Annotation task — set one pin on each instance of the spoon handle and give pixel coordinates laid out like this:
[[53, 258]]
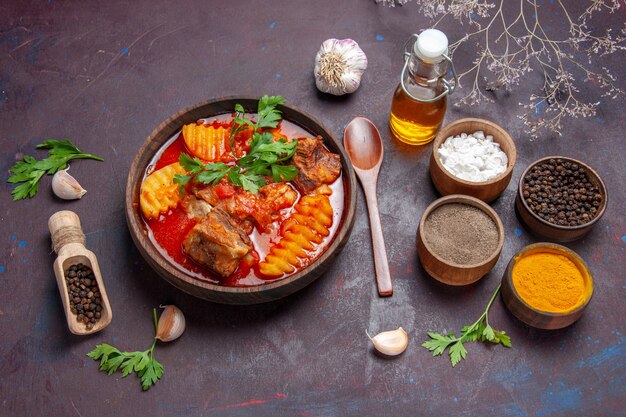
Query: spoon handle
[[383, 278]]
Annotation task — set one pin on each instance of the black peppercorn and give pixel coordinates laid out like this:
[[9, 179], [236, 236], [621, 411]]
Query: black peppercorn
[[84, 296], [561, 192]]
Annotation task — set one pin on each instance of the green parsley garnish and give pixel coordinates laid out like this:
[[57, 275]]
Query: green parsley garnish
[[29, 171], [148, 369], [480, 330], [266, 156]]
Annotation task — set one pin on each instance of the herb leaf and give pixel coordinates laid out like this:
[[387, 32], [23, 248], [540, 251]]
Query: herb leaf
[[252, 183], [102, 352], [150, 374], [191, 165], [29, 171], [438, 343], [147, 368], [284, 172], [212, 174], [480, 330], [135, 361], [265, 157], [268, 115]]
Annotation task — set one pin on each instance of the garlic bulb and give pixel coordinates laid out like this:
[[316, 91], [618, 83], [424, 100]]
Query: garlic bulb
[[66, 187], [339, 65], [171, 324], [392, 342]]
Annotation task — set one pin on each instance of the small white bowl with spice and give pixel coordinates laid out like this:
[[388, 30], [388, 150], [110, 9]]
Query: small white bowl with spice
[[474, 157], [459, 239]]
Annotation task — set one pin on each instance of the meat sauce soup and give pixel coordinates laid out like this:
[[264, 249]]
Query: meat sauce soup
[[168, 230]]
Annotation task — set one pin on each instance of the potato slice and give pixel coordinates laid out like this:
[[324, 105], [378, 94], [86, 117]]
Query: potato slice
[[159, 193], [207, 142]]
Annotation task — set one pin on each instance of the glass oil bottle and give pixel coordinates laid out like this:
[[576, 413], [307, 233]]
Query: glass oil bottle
[[419, 103]]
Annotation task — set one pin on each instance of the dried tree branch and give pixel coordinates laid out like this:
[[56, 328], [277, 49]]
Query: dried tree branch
[[510, 47]]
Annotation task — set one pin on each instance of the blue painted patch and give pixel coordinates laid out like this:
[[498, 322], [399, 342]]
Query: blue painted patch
[[3, 94], [560, 402], [552, 1], [13, 237], [277, 76], [615, 354], [411, 380], [380, 38], [263, 48], [231, 357], [24, 261], [22, 243], [125, 50], [455, 399], [539, 108], [33, 52], [518, 232], [472, 15], [272, 25], [624, 239], [520, 374], [2, 269]]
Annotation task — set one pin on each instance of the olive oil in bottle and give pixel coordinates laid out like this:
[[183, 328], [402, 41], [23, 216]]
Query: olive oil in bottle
[[419, 103]]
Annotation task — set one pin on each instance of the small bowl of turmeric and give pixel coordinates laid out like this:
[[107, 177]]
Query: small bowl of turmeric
[[547, 286]]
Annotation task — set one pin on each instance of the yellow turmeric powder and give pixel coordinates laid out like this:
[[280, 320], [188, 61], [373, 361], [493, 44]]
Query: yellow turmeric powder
[[549, 282]]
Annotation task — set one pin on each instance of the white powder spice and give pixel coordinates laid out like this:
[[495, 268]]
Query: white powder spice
[[473, 157]]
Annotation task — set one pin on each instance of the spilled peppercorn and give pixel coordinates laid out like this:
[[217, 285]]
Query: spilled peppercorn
[[85, 299], [560, 192]]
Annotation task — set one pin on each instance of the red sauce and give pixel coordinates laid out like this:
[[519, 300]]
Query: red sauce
[[171, 153], [169, 230]]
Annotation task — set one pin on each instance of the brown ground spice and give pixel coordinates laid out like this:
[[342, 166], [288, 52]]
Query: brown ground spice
[[461, 234]]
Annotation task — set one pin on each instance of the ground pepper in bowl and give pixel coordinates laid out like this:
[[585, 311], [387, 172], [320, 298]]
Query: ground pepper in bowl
[[562, 193], [461, 234]]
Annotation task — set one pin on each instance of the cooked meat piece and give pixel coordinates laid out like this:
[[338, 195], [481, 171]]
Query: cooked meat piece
[[217, 243], [277, 196], [316, 165], [244, 207], [195, 208], [237, 206]]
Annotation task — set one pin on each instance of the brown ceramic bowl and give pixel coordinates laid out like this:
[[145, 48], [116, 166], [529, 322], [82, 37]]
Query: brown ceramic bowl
[[449, 272], [532, 316], [214, 292], [547, 230], [487, 191]]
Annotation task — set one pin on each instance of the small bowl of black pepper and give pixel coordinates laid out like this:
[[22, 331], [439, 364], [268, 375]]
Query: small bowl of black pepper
[[560, 198]]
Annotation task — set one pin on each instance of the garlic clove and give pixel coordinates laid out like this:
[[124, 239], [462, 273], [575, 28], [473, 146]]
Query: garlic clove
[[171, 324], [392, 342], [339, 65], [66, 187]]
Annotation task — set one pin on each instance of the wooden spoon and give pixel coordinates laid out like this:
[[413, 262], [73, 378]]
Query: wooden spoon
[[68, 241], [365, 149]]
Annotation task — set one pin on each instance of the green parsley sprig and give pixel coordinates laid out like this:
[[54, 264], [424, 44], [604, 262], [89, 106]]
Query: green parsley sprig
[[144, 364], [480, 330], [29, 171], [266, 156]]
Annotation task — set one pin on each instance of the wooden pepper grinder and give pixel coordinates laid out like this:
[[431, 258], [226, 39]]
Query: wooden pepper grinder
[[68, 241]]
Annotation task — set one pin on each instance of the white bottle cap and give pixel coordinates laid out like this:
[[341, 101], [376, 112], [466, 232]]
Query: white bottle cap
[[431, 45]]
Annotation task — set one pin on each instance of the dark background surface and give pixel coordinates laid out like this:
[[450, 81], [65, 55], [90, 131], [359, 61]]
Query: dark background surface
[[107, 75]]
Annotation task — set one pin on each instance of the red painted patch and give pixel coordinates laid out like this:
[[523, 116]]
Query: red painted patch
[[254, 401]]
